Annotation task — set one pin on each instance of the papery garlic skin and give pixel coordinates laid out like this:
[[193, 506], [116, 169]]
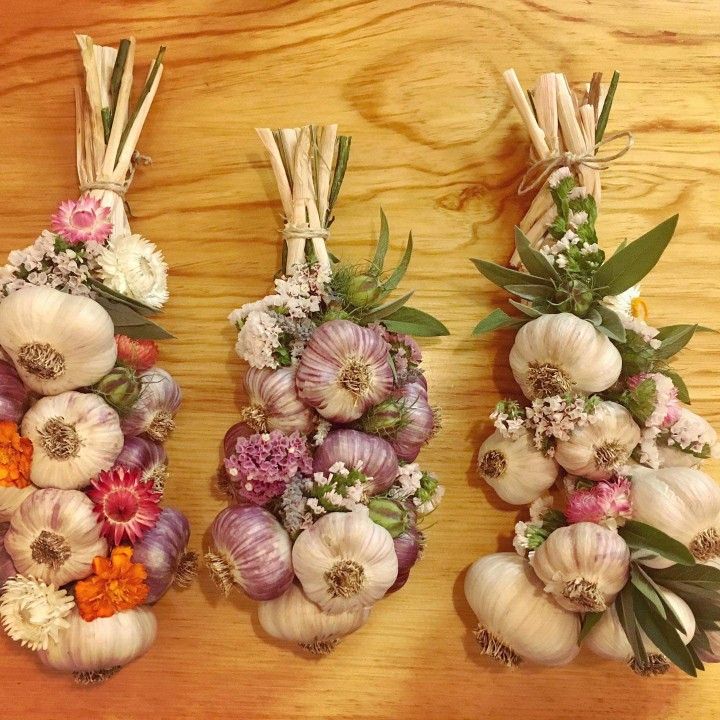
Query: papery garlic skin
[[345, 561], [274, 403], [344, 370], [74, 436], [56, 341], [154, 412], [294, 618], [599, 450], [408, 548], [681, 502], [607, 638], [517, 471], [421, 423], [11, 498], [7, 568], [560, 354], [584, 566], [673, 456], [14, 395], [54, 536], [252, 550], [149, 457], [517, 620], [94, 650]]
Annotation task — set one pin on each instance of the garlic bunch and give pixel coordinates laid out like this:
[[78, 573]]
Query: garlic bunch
[[292, 617], [516, 620], [13, 393], [560, 354], [345, 561], [274, 402], [75, 436], [154, 412], [252, 550], [56, 341], [608, 639], [517, 471], [598, 450], [344, 370], [683, 503], [94, 651], [54, 536], [11, 498], [584, 566], [370, 454]]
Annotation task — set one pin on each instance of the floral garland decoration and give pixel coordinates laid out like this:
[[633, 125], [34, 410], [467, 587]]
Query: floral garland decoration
[[85, 547], [321, 469], [628, 563]]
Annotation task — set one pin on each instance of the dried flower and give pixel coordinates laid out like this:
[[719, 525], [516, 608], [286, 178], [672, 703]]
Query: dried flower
[[117, 584], [605, 503], [556, 417], [663, 405], [140, 355], [509, 419], [32, 612], [125, 504], [15, 456], [82, 221]]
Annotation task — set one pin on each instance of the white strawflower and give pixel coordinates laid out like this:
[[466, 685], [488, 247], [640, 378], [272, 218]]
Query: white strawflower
[[133, 266], [622, 303], [32, 612]]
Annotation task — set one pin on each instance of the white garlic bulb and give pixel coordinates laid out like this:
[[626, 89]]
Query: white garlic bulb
[[54, 536], [345, 561], [682, 502], [93, 651], [608, 639], [75, 436], [56, 341], [517, 471], [696, 427], [584, 566], [11, 498], [559, 354], [599, 449], [517, 620], [294, 618]]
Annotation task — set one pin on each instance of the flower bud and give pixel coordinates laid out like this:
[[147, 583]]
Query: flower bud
[[389, 514], [362, 290], [120, 389]]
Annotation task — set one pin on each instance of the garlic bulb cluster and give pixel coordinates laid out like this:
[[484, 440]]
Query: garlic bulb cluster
[[154, 412]]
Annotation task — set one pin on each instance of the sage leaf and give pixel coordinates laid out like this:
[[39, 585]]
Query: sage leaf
[[535, 262], [531, 292], [679, 383], [399, 272], [128, 321], [410, 321], [383, 244], [640, 536], [498, 320], [531, 312], [385, 310], [611, 324], [503, 276], [108, 292]]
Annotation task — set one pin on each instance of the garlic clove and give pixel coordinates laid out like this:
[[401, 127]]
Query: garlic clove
[[56, 341]]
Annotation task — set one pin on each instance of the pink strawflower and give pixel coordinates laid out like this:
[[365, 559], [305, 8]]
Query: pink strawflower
[[263, 464], [606, 503], [81, 221], [126, 506], [667, 406]]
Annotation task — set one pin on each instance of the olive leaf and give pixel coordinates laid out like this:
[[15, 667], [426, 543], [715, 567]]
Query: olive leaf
[[498, 320], [503, 276], [343, 153], [675, 337], [640, 536], [111, 294], [411, 321], [705, 576], [588, 623], [399, 272], [531, 292], [607, 105], [535, 262], [646, 586], [526, 309], [388, 309], [625, 608]]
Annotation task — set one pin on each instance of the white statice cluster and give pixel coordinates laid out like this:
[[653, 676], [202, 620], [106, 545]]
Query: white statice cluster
[[283, 320], [407, 483], [556, 417], [52, 264], [529, 535], [556, 253], [421, 489], [508, 419]]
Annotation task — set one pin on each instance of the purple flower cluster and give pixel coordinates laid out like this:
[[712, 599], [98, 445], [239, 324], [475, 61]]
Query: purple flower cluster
[[263, 464]]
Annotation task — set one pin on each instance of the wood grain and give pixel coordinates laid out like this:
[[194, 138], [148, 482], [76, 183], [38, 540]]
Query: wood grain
[[437, 144]]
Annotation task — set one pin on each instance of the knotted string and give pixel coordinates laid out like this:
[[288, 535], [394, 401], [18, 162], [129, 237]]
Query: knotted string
[[540, 171], [119, 188], [303, 232]]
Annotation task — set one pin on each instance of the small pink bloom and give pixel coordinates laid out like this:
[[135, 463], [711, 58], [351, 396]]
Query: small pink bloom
[[604, 503], [81, 221], [140, 355]]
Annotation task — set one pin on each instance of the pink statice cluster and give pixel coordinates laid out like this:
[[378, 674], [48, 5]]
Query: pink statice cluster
[[263, 464], [666, 411], [605, 503]]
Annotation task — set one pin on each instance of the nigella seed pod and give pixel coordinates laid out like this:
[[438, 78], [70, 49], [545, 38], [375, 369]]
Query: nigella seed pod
[[408, 548], [274, 402], [141, 453], [164, 554], [420, 425], [362, 290], [120, 389], [7, 568], [252, 550], [344, 370], [154, 412], [390, 514], [372, 455], [13, 393]]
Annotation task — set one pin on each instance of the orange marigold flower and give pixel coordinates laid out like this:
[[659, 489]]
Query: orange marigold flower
[[15, 456], [117, 585]]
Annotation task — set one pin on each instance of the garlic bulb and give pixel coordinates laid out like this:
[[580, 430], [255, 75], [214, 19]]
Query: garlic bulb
[[292, 617], [251, 550], [517, 471], [344, 370], [11, 498], [345, 561], [75, 436], [13, 393], [149, 457], [372, 455], [163, 553], [584, 566], [696, 427], [559, 354], [516, 620], [408, 548], [608, 638], [154, 412], [419, 425], [54, 536], [683, 503], [94, 651], [598, 450], [7, 569], [56, 341], [274, 402]]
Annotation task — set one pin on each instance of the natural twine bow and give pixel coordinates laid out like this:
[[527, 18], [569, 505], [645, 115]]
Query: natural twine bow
[[540, 171]]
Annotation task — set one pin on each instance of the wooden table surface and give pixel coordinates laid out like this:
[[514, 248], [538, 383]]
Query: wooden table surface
[[437, 144]]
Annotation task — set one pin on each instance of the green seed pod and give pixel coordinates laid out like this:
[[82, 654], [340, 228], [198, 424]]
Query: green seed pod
[[389, 514], [120, 389]]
